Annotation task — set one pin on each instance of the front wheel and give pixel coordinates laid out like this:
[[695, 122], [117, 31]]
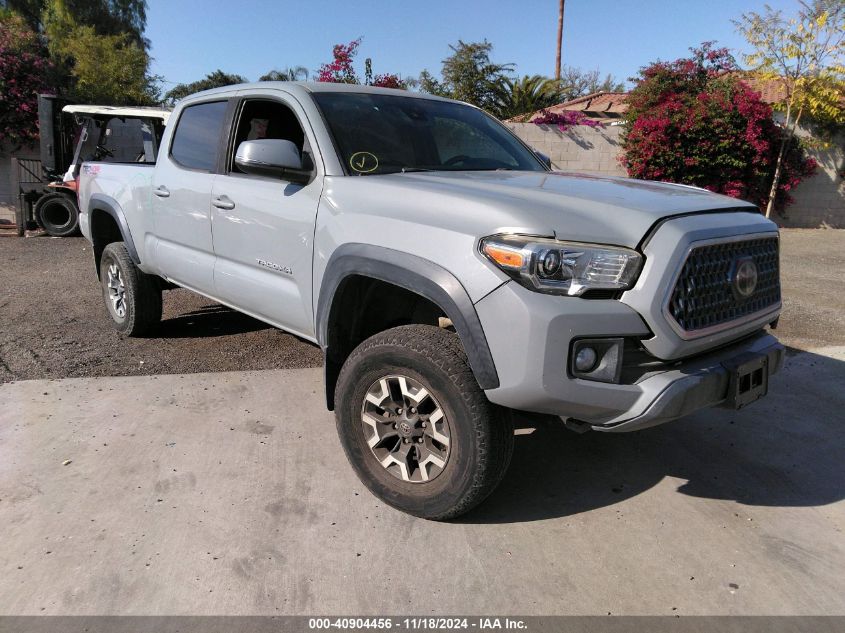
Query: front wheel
[[133, 298], [417, 428]]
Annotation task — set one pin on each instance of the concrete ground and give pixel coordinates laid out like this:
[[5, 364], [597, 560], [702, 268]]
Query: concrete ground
[[229, 494]]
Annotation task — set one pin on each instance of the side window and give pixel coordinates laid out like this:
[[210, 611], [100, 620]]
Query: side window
[[267, 119], [197, 134]]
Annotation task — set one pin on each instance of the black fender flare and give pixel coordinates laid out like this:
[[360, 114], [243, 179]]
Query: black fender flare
[[417, 275], [107, 204]]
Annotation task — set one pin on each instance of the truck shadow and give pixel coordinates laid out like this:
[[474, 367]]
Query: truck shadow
[[208, 321], [785, 450]]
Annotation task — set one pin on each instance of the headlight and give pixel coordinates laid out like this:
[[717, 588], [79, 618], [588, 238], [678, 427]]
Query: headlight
[[567, 268]]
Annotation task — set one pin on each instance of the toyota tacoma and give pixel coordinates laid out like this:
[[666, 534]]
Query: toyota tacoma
[[448, 275]]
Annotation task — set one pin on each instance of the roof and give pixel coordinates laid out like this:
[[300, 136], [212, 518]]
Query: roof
[[119, 111], [316, 86], [597, 105], [603, 105], [772, 90]]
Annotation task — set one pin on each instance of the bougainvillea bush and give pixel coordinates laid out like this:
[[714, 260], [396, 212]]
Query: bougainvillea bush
[[340, 69], [565, 120], [24, 72], [695, 122]]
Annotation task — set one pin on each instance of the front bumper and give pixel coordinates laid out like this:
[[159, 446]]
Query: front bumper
[[697, 384], [532, 357]]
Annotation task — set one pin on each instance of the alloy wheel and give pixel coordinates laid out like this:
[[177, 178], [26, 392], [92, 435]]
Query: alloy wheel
[[406, 428], [117, 291]]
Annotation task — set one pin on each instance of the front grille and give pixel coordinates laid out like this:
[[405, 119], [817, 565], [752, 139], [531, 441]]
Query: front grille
[[704, 296]]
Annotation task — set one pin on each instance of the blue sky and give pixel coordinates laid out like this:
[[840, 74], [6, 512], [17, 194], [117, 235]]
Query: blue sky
[[191, 39]]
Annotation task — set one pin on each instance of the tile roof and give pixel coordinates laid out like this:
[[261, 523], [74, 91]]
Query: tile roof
[[771, 90], [599, 105]]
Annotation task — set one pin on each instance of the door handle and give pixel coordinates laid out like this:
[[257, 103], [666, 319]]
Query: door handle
[[223, 202], [161, 191]]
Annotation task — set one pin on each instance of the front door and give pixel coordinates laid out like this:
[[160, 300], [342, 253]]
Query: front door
[[264, 227], [184, 176]]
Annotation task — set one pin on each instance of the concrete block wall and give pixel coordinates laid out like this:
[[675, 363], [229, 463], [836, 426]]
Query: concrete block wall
[[593, 150], [820, 200]]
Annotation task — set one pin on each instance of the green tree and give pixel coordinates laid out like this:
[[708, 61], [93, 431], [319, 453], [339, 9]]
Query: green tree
[[806, 55], [468, 74], [217, 79], [107, 17], [295, 73], [430, 84], [515, 97], [107, 69]]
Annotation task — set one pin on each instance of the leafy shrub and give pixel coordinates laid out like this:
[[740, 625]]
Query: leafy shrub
[[24, 69], [340, 69], [695, 122], [566, 119]]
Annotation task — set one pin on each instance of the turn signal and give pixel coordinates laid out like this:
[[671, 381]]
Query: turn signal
[[505, 257]]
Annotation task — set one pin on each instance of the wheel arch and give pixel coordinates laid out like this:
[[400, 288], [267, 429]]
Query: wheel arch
[[416, 275], [107, 222]]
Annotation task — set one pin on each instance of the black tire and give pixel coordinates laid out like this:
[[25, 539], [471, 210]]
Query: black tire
[[481, 433], [57, 214], [141, 293]]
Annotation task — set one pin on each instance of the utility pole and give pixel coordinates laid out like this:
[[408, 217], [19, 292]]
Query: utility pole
[[559, 38]]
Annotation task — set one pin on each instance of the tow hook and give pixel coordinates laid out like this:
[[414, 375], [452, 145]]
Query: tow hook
[[577, 426]]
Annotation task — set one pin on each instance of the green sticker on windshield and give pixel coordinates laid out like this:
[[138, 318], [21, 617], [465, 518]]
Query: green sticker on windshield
[[363, 162]]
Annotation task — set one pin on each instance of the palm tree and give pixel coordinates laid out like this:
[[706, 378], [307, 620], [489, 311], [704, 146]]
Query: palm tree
[[514, 97], [297, 73], [559, 37]]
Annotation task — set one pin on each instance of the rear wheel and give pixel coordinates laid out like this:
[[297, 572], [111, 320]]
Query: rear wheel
[[133, 298], [57, 214], [417, 428]]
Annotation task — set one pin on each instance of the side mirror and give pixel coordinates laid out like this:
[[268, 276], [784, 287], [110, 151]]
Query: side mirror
[[272, 157], [544, 159]]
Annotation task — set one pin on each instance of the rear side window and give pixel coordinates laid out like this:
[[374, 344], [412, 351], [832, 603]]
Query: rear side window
[[198, 134]]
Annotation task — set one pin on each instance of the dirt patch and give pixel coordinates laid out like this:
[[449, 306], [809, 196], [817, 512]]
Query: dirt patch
[[53, 323], [812, 264]]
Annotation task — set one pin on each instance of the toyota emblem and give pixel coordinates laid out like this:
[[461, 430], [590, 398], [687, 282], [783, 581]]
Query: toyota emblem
[[744, 277]]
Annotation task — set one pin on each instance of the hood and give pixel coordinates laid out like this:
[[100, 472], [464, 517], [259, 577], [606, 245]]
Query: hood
[[569, 206]]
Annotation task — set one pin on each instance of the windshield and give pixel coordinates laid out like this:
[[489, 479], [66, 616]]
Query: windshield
[[385, 134]]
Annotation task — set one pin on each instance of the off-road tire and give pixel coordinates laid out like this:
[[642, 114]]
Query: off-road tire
[[57, 214], [141, 292], [481, 432]]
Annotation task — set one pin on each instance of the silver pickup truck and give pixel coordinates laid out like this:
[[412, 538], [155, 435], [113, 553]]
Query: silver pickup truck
[[449, 276]]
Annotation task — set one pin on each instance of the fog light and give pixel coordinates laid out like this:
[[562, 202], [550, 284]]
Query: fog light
[[598, 359], [585, 359]]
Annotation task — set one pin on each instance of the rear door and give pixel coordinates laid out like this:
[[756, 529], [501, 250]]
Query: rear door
[[182, 184], [264, 227]]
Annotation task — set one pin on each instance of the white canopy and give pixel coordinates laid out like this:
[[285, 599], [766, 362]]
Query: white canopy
[[120, 111]]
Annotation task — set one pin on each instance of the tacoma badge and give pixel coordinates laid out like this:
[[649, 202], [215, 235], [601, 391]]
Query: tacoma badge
[[279, 269]]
